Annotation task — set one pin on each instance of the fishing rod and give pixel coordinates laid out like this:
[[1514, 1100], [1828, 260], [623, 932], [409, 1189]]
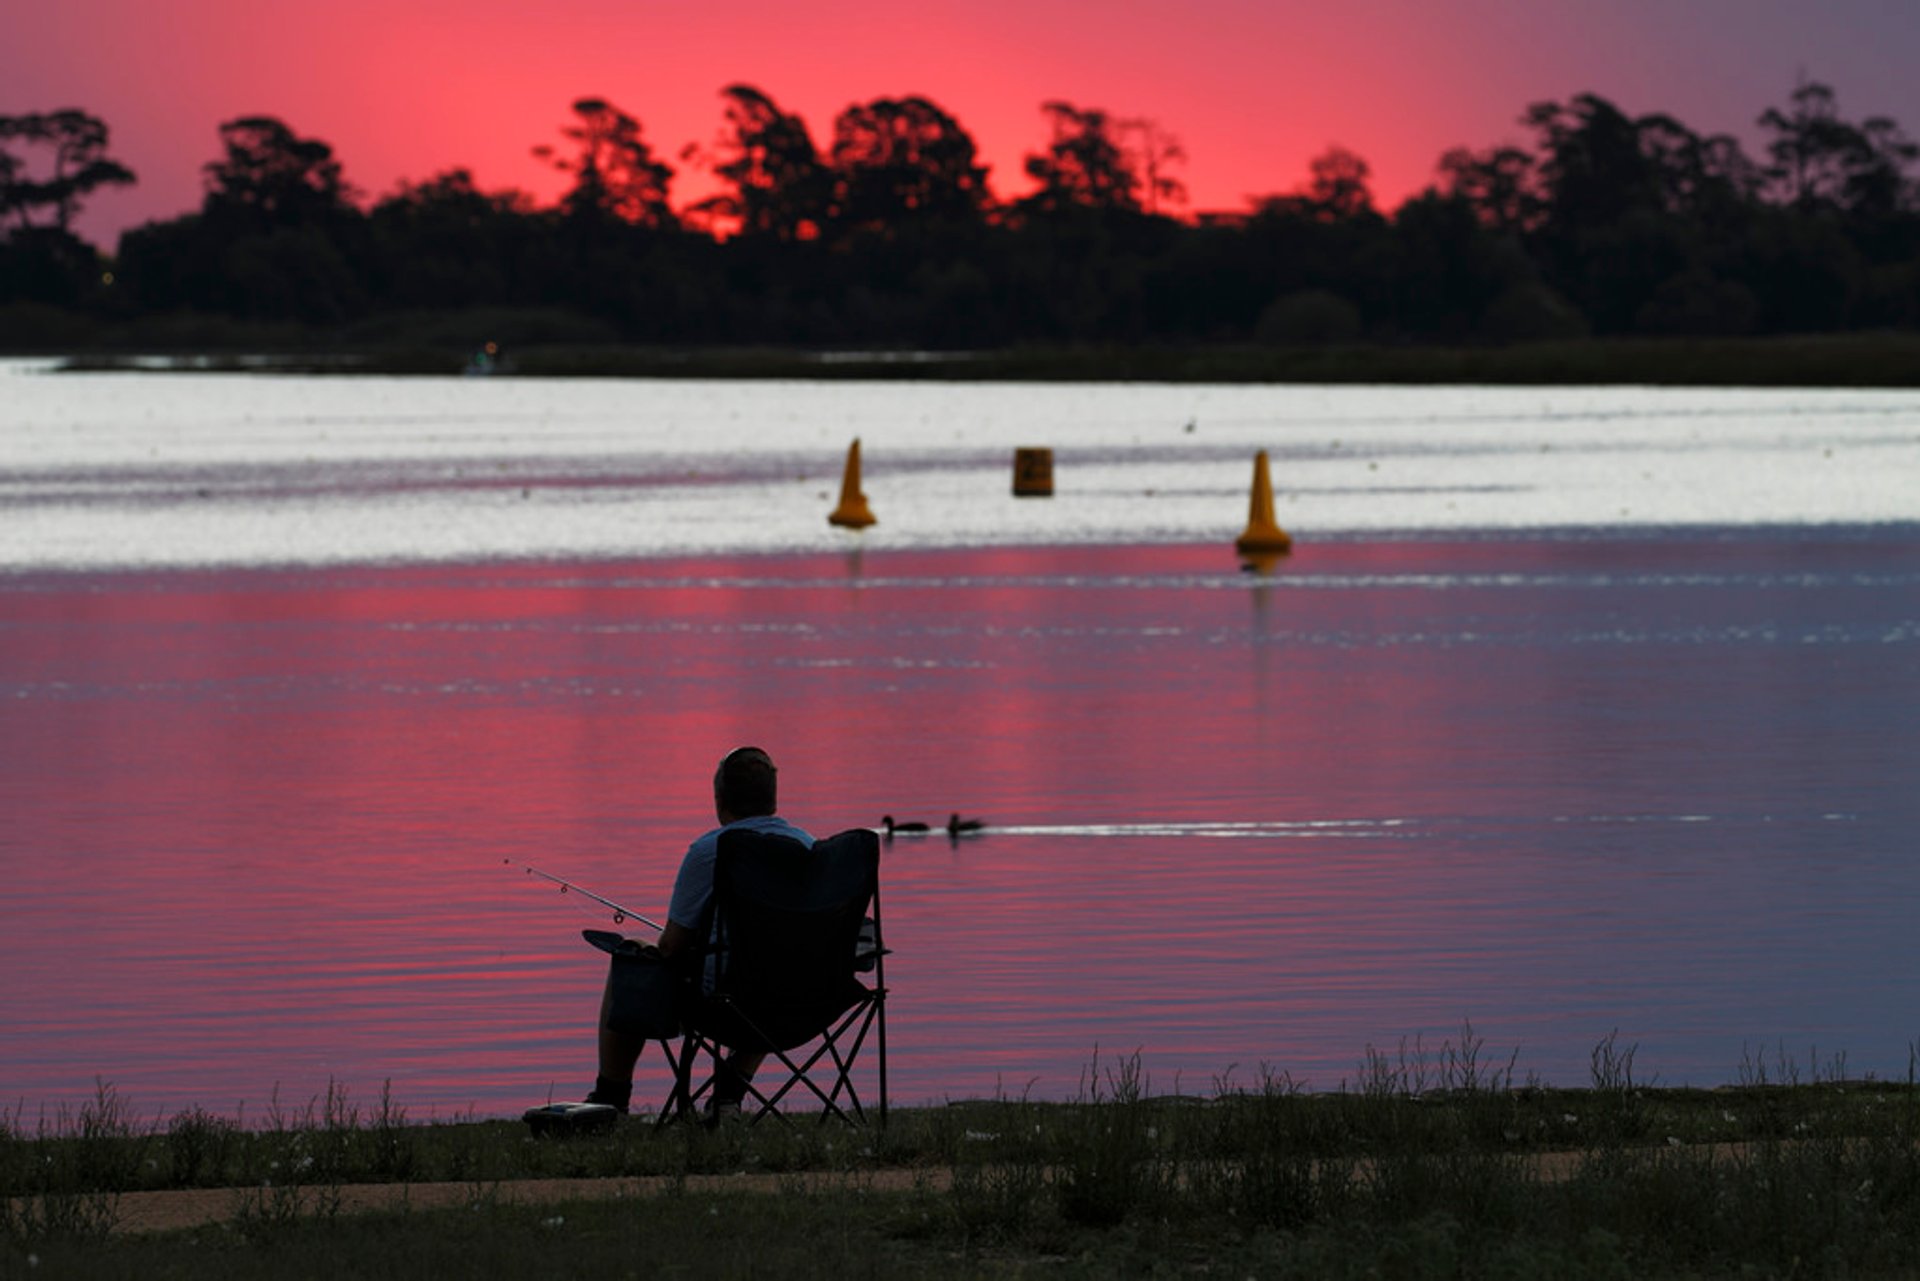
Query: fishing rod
[[620, 914]]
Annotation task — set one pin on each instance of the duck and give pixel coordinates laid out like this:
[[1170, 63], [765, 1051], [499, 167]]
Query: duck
[[905, 829], [957, 826]]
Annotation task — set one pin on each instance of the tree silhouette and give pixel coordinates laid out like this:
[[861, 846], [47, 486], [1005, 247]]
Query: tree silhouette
[[76, 166], [1699, 177], [451, 197], [901, 161], [1151, 153], [445, 242], [1821, 160], [1601, 222], [614, 170], [1500, 186], [271, 177], [1453, 264], [1085, 163], [1337, 187], [1592, 169], [277, 238], [1618, 221], [779, 185]]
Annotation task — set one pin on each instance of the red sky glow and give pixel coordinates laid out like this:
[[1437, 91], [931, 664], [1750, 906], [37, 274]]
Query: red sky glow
[[405, 89]]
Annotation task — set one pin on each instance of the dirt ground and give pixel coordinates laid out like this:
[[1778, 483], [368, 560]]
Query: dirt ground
[[198, 1207]]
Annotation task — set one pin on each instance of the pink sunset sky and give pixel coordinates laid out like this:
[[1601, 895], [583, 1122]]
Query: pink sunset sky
[[405, 89]]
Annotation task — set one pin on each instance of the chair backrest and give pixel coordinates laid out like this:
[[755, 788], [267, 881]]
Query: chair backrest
[[787, 925]]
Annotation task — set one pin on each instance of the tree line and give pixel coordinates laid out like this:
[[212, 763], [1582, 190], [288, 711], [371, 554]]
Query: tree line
[[887, 234]]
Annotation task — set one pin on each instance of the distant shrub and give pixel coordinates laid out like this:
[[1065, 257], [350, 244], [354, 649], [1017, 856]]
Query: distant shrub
[[513, 328], [192, 331], [1309, 316], [1696, 304], [38, 327], [1532, 312]]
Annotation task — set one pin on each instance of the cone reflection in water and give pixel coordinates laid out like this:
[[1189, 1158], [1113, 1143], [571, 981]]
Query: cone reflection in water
[[1263, 537], [1261, 563], [853, 512]]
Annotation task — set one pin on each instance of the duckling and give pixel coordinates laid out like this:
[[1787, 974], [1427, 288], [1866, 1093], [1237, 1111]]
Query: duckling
[[905, 829], [957, 826]]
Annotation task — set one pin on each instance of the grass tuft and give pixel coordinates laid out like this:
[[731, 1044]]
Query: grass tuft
[[1432, 1161]]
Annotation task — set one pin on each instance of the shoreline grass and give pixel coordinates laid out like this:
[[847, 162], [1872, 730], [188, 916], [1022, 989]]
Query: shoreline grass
[[1880, 359], [1433, 1162]]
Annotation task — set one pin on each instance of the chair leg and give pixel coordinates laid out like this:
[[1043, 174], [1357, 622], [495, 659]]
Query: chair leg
[[682, 1098], [881, 1002], [677, 1096], [798, 1074], [834, 1045], [769, 1105]]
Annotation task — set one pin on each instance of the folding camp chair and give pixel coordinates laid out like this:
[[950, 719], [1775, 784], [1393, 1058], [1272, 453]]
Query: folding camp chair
[[792, 929]]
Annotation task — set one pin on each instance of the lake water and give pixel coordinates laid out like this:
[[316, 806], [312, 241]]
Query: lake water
[[1572, 712]]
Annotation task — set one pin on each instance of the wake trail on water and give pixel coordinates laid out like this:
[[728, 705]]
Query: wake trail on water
[[1335, 828]]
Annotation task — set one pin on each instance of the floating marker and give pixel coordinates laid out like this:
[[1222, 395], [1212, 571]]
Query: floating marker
[[853, 512], [1263, 536], [1033, 473]]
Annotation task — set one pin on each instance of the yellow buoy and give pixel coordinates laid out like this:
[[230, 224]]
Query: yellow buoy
[[1263, 536], [1033, 473], [853, 512]]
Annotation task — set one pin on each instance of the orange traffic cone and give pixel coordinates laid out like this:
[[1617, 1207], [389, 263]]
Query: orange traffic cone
[[1263, 536], [853, 512]]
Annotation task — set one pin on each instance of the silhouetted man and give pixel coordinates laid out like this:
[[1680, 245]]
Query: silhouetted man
[[745, 797]]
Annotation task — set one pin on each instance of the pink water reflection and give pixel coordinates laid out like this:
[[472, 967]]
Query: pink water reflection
[[264, 828]]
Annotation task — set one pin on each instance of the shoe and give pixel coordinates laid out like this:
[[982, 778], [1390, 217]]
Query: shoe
[[614, 1094]]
